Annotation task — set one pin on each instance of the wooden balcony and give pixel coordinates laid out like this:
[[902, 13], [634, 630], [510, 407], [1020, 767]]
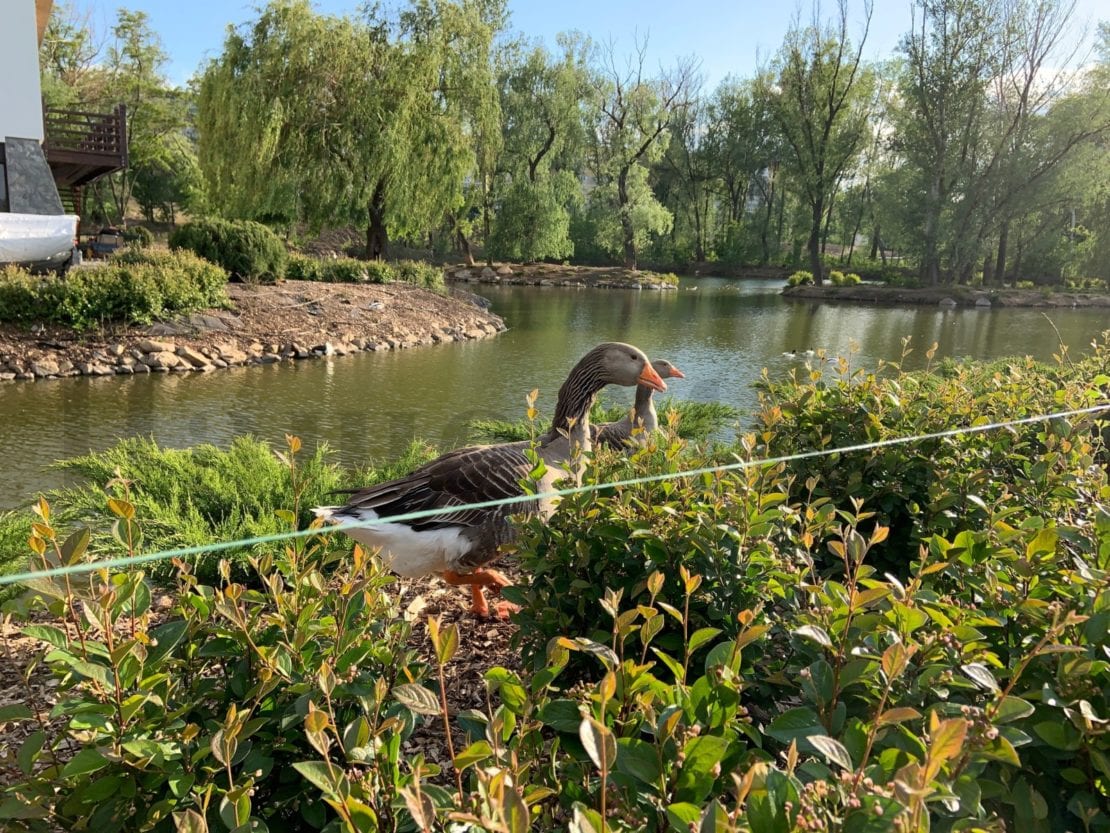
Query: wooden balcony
[[81, 147]]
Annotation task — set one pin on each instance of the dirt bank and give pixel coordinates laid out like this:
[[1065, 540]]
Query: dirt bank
[[550, 274], [292, 320], [947, 296]]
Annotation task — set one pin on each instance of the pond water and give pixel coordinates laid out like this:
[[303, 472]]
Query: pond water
[[367, 407]]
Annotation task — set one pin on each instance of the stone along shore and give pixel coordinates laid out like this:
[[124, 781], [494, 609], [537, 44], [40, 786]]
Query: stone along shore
[[265, 324]]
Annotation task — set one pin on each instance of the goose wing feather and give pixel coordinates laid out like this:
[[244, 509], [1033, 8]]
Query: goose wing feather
[[469, 475]]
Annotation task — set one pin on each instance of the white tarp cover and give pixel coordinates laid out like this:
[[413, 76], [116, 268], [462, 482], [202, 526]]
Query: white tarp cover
[[28, 238]]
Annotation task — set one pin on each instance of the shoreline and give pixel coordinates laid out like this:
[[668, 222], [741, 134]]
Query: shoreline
[[949, 297], [265, 324], [551, 274]]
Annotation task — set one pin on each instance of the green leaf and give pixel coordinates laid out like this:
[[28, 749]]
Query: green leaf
[[795, 724], [674, 665], [325, 778], [980, 675], [696, 778], [15, 711], [166, 637], [833, 750], [87, 760], [93, 671], [1012, 708], [638, 759], [681, 815], [561, 714], [417, 698], [814, 633], [48, 634], [715, 819], [700, 637], [599, 742], [477, 751], [29, 750]]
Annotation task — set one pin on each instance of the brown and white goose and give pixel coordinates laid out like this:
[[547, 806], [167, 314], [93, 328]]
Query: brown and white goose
[[456, 544], [619, 434]]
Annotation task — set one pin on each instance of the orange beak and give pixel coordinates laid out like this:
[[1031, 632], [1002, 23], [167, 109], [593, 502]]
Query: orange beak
[[676, 373], [652, 379]]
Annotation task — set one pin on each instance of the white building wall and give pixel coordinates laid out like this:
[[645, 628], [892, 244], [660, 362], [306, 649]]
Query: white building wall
[[20, 91]]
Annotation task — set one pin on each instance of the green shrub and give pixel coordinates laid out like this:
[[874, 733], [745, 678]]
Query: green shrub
[[304, 268], [349, 270], [238, 710], [851, 279], [1025, 285], [139, 236], [378, 271], [800, 277], [135, 287], [836, 277], [419, 273], [247, 250]]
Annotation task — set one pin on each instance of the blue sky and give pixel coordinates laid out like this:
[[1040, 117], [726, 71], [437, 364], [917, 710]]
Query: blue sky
[[728, 36]]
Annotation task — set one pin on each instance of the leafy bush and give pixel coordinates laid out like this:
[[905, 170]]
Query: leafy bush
[[419, 273], [800, 277], [268, 708], [139, 236], [247, 250], [1025, 285], [841, 279], [304, 268], [136, 286]]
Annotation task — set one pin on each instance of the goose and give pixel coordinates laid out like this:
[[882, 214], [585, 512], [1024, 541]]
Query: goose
[[457, 544], [619, 434]]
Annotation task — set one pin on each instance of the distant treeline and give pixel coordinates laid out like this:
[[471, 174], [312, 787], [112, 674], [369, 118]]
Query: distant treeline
[[977, 151]]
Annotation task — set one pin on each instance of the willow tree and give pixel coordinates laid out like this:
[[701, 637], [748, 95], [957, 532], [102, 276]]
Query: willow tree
[[633, 112], [819, 96], [542, 101], [335, 120]]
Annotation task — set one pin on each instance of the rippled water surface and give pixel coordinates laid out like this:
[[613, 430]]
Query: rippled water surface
[[369, 406]]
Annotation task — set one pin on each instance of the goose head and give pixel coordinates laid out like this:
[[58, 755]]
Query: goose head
[[622, 364], [667, 370]]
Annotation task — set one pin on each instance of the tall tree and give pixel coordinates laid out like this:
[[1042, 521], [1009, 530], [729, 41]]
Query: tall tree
[[378, 127], [631, 120], [819, 100], [542, 102]]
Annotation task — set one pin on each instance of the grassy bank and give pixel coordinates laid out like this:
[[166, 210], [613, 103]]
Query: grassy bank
[[906, 638]]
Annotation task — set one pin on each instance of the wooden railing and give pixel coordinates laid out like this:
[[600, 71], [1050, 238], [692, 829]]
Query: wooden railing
[[95, 134]]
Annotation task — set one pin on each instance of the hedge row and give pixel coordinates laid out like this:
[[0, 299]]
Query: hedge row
[[349, 270], [135, 287]]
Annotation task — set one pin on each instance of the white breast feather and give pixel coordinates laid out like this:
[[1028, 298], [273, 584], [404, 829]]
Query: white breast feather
[[408, 552]]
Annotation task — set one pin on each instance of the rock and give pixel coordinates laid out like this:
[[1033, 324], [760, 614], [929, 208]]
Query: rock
[[7, 377], [161, 360], [947, 303], [300, 351], [219, 363], [325, 349], [488, 274], [164, 328], [93, 369], [193, 357], [268, 358], [148, 345], [25, 375], [124, 370], [983, 303], [231, 354], [45, 367], [504, 270], [254, 348], [140, 368], [117, 350], [211, 323]]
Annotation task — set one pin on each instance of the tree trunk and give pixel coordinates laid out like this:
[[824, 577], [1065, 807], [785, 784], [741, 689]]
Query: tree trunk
[[781, 220], [628, 232], [875, 244], [930, 266], [464, 247], [814, 244], [377, 238], [828, 222], [988, 268], [1000, 265], [765, 246]]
